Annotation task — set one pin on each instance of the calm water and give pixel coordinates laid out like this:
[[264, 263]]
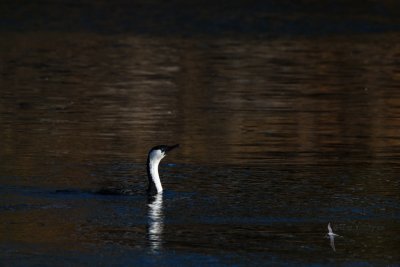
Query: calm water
[[278, 138]]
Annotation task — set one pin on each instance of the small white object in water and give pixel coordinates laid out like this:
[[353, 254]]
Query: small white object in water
[[331, 235]]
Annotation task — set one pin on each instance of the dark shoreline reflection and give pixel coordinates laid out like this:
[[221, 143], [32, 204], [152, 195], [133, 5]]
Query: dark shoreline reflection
[[204, 18]]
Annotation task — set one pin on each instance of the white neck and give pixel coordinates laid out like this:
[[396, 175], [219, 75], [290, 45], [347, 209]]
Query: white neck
[[154, 174]]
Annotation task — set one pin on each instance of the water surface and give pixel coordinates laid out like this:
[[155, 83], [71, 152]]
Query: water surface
[[278, 138]]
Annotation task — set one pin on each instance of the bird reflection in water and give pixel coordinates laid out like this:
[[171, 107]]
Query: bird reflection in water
[[155, 225]]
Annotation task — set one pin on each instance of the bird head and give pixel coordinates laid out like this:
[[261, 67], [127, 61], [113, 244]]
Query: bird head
[[159, 152]]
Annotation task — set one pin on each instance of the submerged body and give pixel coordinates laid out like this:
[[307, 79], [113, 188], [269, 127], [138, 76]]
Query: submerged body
[[156, 154]]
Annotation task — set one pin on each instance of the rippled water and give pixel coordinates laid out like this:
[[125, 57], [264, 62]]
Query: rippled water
[[278, 138]]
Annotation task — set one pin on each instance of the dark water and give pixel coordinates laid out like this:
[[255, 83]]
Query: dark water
[[278, 138]]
